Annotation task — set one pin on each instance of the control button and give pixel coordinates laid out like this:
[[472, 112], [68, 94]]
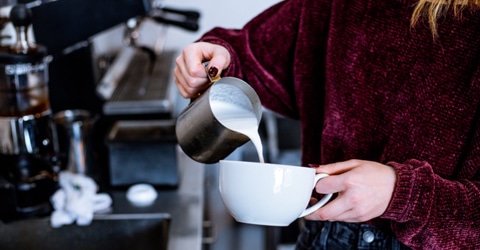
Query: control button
[[368, 236]]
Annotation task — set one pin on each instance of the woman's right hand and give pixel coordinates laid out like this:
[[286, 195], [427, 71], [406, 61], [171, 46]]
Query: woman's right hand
[[190, 74]]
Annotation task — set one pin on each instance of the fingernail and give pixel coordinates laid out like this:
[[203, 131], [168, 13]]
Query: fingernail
[[314, 165], [212, 71]]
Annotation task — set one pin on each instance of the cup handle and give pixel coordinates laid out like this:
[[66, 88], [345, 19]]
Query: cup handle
[[321, 202]]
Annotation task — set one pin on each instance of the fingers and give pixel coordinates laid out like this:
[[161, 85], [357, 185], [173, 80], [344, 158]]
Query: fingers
[[220, 58], [190, 74], [188, 83], [331, 211], [337, 182], [337, 167], [330, 185], [340, 205], [339, 209], [364, 190]]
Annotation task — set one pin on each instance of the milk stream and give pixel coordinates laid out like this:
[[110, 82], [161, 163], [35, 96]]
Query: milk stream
[[240, 120]]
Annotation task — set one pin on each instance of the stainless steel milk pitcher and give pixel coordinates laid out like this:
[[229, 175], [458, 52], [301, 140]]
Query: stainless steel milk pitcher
[[199, 132], [77, 125]]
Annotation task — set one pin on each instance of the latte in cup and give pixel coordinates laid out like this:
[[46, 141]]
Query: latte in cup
[[268, 194]]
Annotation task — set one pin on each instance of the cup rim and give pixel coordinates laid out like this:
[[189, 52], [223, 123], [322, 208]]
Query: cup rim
[[250, 163]]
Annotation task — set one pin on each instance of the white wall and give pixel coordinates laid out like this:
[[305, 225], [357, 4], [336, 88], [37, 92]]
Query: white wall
[[224, 13]]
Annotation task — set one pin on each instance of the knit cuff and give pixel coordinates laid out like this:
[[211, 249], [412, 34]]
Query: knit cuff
[[414, 184]]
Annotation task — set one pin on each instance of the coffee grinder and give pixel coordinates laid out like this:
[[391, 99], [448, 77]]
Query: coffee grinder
[[28, 139]]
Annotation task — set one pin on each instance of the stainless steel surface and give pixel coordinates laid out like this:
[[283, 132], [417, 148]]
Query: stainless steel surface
[[183, 207], [78, 124], [139, 89], [28, 156], [114, 74], [201, 135], [28, 134], [110, 231]]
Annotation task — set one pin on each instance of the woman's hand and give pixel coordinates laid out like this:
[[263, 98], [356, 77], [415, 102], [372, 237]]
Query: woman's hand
[[364, 190], [189, 73]]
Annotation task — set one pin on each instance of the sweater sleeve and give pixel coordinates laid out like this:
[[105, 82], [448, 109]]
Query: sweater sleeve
[[265, 52], [428, 211], [431, 210]]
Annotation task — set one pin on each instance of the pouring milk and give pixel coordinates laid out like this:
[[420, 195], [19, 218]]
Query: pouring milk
[[236, 114]]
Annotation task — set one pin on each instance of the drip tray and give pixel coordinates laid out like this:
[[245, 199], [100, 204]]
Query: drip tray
[[136, 85], [107, 231]]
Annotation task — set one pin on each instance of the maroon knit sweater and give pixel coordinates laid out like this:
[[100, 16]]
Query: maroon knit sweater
[[366, 85]]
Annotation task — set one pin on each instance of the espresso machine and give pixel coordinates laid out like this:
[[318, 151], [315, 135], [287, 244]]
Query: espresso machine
[[28, 141]]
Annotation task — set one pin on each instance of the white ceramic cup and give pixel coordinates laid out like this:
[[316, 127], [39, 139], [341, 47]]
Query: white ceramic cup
[[268, 194]]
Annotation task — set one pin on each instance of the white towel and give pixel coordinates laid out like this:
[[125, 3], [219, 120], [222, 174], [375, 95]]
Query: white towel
[[76, 200]]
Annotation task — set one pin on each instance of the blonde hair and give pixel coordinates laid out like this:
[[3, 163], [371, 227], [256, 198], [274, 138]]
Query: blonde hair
[[432, 10]]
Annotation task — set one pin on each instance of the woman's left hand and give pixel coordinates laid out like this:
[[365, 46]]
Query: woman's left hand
[[364, 190]]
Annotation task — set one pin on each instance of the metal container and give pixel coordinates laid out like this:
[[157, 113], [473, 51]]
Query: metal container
[[77, 125], [201, 134], [28, 139]]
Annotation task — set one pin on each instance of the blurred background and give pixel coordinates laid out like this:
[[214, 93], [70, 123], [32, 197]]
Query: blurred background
[[112, 60]]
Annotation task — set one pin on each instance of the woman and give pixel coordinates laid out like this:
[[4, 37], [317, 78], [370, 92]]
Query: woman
[[388, 95]]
